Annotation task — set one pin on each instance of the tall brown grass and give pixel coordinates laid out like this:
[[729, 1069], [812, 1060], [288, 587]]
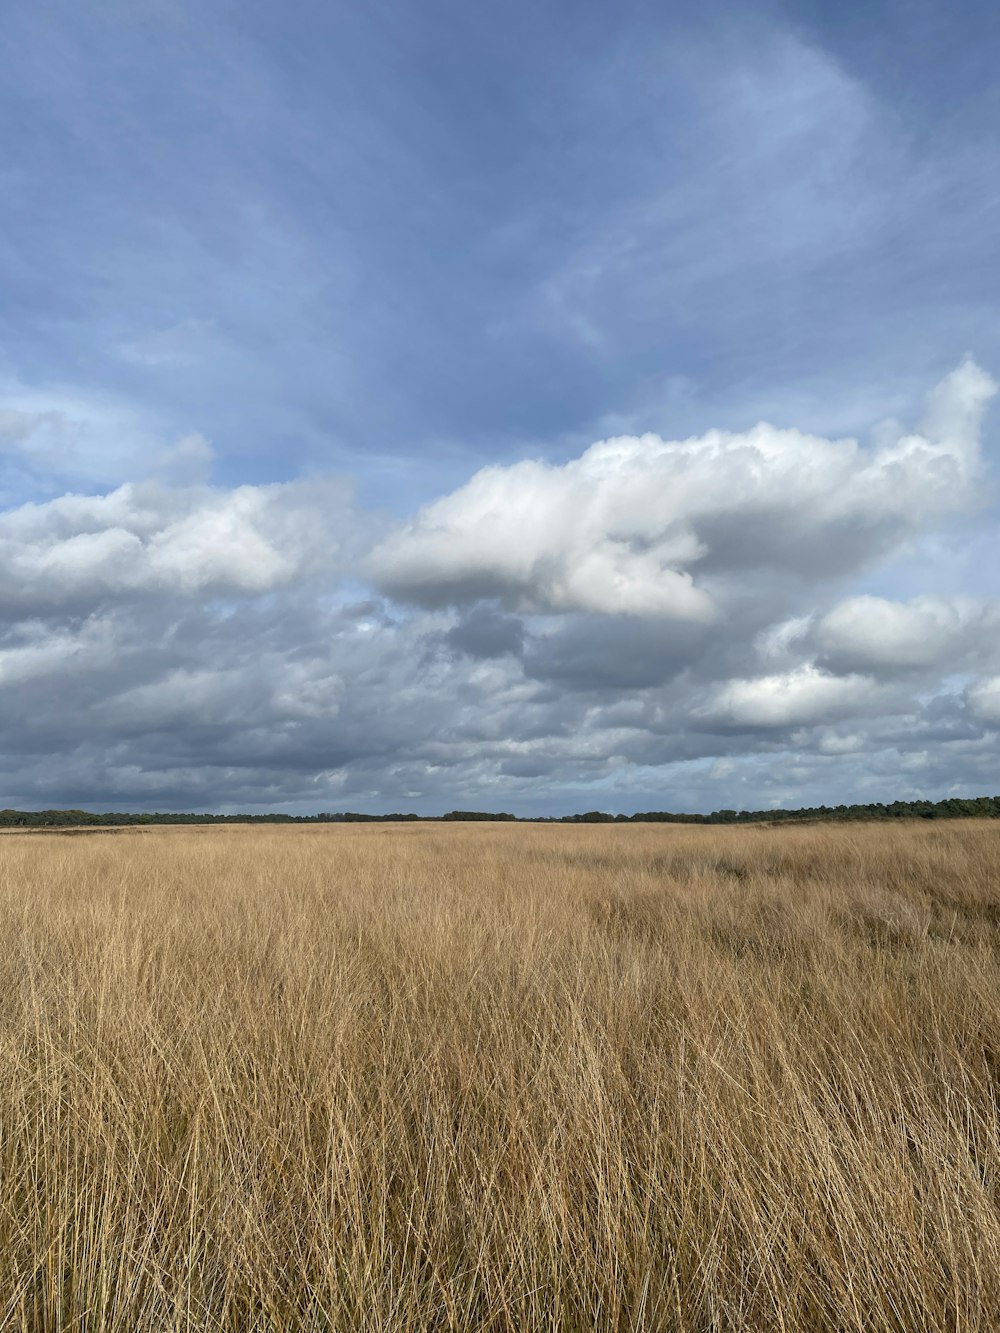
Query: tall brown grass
[[489, 1077]]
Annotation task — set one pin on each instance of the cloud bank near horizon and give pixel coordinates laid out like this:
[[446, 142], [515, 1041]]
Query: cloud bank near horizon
[[720, 620]]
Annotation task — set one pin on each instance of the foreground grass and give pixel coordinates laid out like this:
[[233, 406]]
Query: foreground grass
[[519, 1078]]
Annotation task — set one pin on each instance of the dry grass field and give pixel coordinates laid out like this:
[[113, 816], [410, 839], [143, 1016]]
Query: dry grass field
[[500, 1077]]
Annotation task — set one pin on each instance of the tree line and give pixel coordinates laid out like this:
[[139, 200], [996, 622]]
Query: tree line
[[952, 807]]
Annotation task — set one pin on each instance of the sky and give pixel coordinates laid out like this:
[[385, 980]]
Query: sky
[[539, 408]]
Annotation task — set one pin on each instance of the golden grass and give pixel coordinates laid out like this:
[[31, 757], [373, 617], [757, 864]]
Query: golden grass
[[494, 1077]]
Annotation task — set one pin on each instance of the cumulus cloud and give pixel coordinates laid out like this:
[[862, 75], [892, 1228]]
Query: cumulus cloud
[[875, 632], [149, 538], [653, 625], [803, 697], [644, 526], [883, 636], [544, 539]]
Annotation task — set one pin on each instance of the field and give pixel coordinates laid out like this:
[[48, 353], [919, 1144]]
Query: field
[[500, 1077]]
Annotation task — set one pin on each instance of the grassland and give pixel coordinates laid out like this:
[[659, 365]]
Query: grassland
[[490, 1077]]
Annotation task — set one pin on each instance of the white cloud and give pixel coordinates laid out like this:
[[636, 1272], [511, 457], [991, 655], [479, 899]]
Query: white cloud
[[650, 527], [876, 632], [802, 697], [545, 539], [878, 635], [151, 538]]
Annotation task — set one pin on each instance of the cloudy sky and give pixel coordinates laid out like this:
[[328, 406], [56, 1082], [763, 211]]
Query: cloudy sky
[[539, 407]]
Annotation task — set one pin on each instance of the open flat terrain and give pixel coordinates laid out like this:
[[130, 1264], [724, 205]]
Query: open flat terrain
[[500, 1077]]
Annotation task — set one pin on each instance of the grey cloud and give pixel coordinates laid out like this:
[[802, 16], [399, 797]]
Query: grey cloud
[[485, 633], [192, 646], [983, 699], [306, 708], [614, 653]]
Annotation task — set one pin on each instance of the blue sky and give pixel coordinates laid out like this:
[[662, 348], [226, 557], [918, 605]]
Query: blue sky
[[367, 251]]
